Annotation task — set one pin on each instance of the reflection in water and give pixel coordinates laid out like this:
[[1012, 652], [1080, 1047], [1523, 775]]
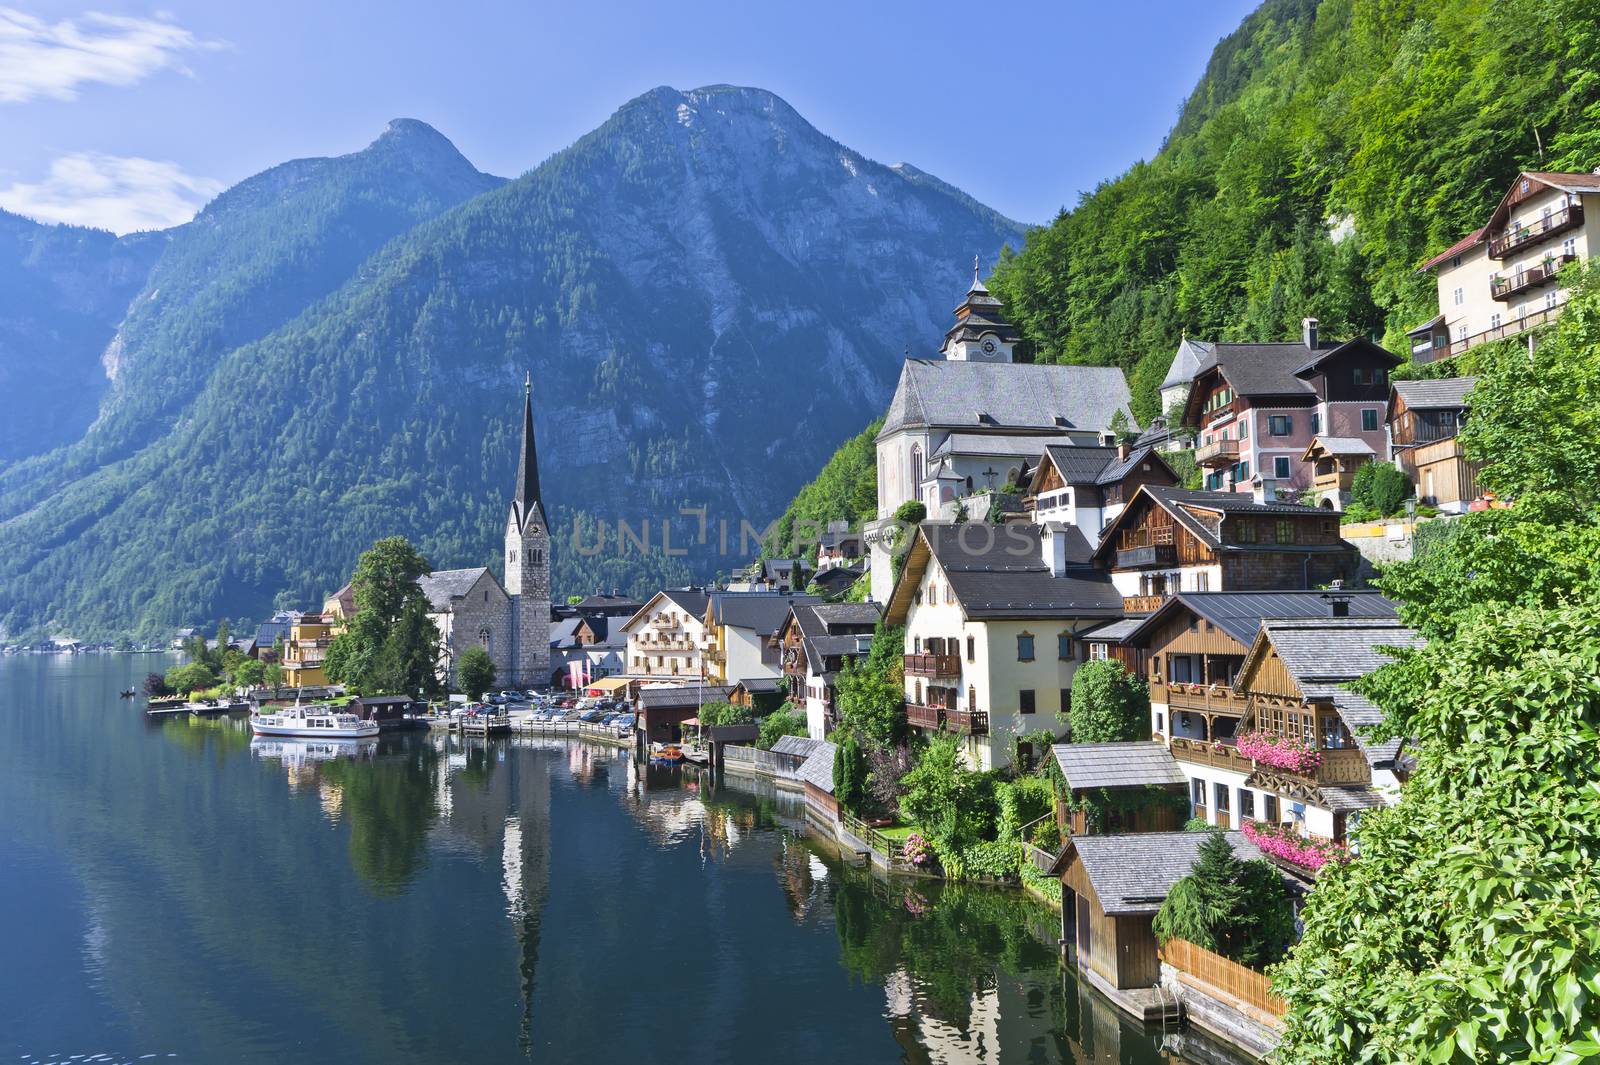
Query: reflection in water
[[420, 898]]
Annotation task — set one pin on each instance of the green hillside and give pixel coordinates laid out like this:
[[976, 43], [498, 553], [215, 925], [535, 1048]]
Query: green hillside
[[1328, 148]]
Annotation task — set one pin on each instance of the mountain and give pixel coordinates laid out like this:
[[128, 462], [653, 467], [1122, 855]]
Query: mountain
[[256, 257], [710, 293], [1329, 147], [63, 289]]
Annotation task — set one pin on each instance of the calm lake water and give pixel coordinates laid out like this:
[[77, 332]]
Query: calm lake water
[[174, 891]]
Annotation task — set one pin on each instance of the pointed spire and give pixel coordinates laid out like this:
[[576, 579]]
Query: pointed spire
[[978, 287], [528, 462]]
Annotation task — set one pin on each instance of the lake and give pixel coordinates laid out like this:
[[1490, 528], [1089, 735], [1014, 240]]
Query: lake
[[175, 891]]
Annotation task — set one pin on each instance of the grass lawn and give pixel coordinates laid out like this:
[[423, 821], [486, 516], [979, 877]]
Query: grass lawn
[[898, 831]]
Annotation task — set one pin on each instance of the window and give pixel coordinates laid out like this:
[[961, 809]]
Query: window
[[1369, 420], [1280, 467], [1025, 700], [1202, 581], [1494, 320], [1247, 804], [1550, 299], [1025, 647], [916, 467], [1099, 652], [1064, 647], [1455, 261], [1316, 422], [1244, 429], [1461, 331], [1280, 424], [1522, 312], [1220, 793], [1242, 472], [1569, 247], [972, 697], [1197, 793], [1066, 701], [971, 656], [1270, 808], [513, 556], [1246, 532], [1460, 296], [1285, 531]]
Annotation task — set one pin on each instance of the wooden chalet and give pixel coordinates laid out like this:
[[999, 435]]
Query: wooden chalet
[[663, 710], [1424, 420], [1169, 540], [1334, 461]]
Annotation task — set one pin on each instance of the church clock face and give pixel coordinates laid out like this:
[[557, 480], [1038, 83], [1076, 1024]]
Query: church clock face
[[988, 347]]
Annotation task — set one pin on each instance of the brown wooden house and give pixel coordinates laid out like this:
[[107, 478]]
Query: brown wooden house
[[1424, 420], [1170, 540]]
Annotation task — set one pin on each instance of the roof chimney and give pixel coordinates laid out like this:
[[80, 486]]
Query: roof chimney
[[1122, 451], [1308, 330], [1263, 490], [1338, 603], [1053, 543]]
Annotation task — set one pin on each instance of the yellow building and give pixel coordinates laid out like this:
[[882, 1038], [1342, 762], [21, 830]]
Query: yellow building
[[306, 649]]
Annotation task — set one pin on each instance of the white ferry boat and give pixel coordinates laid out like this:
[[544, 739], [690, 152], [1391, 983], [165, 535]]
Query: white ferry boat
[[317, 721]]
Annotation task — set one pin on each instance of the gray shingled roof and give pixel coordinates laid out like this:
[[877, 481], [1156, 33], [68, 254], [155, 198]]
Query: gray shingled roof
[[758, 684], [1023, 445], [563, 631], [1343, 445], [1132, 874], [799, 745], [1120, 468], [1264, 369], [1081, 465], [832, 614], [761, 612], [442, 586], [1347, 798], [946, 394], [1444, 394], [679, 698], [817, 769], [1191, 355], [1117, 765], [1113, 631], [1322, 654], [1239, 614], [692, 600], [999, 571]]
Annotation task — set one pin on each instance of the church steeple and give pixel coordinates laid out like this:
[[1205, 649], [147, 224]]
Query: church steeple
[[527, 494], [981, 332]]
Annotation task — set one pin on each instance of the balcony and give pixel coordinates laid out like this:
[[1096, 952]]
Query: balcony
[[671, 647], [1203, 698], [1142, 604], [1503, 288], [1152, 555], [1217, 453], [1567, 218], [924, 716], [967, 722], [1206, 752], [932, 665]]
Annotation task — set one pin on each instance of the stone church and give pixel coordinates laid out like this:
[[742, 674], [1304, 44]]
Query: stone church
[[510, 620]]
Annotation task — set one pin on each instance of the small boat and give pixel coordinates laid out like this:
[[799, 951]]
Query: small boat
[[670, 752], [315, 720], [126, 693]]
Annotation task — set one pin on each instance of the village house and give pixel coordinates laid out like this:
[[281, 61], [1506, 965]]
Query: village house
[[1257, 407], [664, 709], [1169, 540], [992, 617], [961, 429], [1186, 363], [667, 637], [815, 642], [1296, 681], [740, 628], [839, 545], [1089, 486], [1334, 461], [835, 582], [1502, 278], [1424, 420], [585, 648], [305, 652], [273, 630], [1194, 648]]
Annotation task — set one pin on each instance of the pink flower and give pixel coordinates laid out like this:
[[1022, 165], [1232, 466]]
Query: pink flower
[[1278, 752]]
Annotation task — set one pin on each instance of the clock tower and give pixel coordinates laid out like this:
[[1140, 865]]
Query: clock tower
[[527, 563], [981, 333]]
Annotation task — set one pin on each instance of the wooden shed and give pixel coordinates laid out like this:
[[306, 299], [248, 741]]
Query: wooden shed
[[1142, 787], [1111, 889]]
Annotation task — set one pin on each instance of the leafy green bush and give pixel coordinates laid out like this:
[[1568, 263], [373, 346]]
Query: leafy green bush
[[1197, 824], [989, 860], [1022, 802], [1380, 487], [787, 720], [1109, 704], [475, 671], [721, 712], [911, 512], [849, 772], [955, 806], [872, 700], [192, 677]]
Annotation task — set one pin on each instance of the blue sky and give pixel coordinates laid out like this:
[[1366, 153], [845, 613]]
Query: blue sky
[[130, 115]]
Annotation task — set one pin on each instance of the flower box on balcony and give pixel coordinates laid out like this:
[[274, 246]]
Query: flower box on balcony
[[1279, 753]]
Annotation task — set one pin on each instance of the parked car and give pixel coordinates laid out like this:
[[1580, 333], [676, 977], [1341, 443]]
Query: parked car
[[624, 722], [608, 719]]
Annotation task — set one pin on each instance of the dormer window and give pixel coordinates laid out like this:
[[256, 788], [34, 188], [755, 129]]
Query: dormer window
[[985, 418]]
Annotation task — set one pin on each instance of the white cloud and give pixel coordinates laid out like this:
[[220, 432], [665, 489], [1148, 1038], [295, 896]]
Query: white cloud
[[112, 192], [54, 59]]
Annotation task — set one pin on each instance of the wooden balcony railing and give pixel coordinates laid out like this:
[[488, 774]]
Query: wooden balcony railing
[[1154, 555], [1217, 453], [1503, 288], [927, 664], [1142, 604], [924, 716], [1206, 698], [967, 722], [1206, 752], [1509, 241], [1534, 320]]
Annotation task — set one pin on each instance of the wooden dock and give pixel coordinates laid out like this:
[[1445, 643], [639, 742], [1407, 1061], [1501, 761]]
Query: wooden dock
[[497, 725]]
